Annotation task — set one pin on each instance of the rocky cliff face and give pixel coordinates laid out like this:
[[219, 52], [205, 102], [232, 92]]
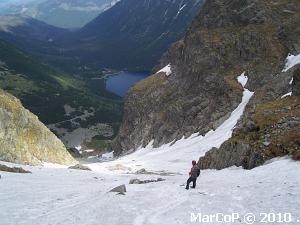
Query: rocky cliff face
[[226, 38], [24, 139]]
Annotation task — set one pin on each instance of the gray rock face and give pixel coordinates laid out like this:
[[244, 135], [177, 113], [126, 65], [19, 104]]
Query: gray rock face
[[296, 82], [227, 38], [233, 154], [24, 139]]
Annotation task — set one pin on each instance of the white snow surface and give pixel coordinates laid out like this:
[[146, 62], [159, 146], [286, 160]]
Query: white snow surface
[[55, 195], [291, 61], [167, 70], [60, 196], [242, 79], [109, 155]]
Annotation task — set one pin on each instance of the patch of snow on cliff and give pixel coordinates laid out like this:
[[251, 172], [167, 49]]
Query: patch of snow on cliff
[[291, 82], [167, 70], [242, 79], [291, 61], [286, 95], [180, 9]]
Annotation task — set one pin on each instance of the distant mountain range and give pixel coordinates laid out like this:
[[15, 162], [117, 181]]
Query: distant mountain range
[[59, 74], [60, 13], [131, 35]]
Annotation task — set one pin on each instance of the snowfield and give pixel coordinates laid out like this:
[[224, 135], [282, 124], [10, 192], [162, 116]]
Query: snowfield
[[55, 195]]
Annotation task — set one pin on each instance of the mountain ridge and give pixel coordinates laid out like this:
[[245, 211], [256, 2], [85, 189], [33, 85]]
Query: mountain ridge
[[202, 90]]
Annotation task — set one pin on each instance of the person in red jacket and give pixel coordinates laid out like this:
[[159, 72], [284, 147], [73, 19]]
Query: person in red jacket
[[194, 174]]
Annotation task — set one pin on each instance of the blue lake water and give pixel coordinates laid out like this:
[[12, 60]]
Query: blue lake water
[[119, 83]]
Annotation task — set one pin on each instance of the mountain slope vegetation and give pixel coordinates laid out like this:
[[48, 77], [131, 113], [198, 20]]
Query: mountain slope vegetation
[[46, 91]]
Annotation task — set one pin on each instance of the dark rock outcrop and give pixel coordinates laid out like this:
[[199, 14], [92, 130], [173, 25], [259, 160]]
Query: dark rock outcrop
[[13, 169], [296, 82], [227, 38], [234, 153]]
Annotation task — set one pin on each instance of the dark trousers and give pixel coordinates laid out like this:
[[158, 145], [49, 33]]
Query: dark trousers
[[191, 179]]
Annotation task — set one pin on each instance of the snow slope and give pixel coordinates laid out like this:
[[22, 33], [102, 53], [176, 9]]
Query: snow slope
[[58, 196], [67, 197]]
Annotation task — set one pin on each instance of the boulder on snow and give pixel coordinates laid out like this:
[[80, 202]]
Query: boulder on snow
[[135, 181], [79, 167], [13, 169], [141, 171], [120, 189], [296, 155], [138, 181]]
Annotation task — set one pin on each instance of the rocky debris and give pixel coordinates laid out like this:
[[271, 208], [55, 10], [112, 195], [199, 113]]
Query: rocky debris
[[120, 189], [159, 173], [142, 171], [79, 167], [24, 139], [119, 167], [13, 169], [137, 181]]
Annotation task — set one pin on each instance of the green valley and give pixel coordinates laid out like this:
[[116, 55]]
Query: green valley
[[62, 101]]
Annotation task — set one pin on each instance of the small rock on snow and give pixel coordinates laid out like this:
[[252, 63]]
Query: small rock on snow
[[120, 189]]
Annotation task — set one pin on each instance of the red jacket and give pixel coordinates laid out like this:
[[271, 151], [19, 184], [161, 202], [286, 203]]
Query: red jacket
[[190, 173], [194, 163]]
